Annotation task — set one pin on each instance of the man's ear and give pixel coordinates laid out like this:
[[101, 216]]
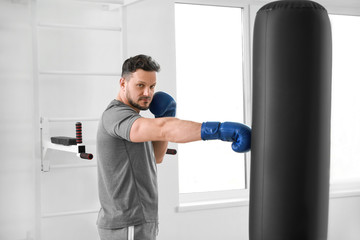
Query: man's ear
[[122, 83]]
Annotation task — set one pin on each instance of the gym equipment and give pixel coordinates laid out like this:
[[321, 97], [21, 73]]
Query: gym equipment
[[75, 145], [68, 141], [171, 151], [290, 157]]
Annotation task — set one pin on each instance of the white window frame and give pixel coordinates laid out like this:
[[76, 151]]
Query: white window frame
[[341, 189], [229, 198]]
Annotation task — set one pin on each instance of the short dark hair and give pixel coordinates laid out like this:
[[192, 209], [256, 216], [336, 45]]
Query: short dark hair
[[141, 61]]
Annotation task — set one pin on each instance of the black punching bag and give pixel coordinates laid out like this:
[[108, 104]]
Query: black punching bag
[[290, 155]]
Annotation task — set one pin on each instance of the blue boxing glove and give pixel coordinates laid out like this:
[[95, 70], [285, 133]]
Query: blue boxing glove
[[237, 133], [163, 105]]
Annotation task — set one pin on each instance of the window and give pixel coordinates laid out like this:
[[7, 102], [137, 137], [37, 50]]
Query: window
[[210, 87], [345, 128]]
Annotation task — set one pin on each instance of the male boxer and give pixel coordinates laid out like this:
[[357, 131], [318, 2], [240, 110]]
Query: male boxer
[[129, 146]]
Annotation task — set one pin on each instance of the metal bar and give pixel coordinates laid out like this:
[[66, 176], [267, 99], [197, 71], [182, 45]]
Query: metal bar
[[119, 2], [103, 2], [49, 145], [38, 139], [69, 213], [128, 2], [78, 27], [79, 73], [71, 166], [82, 119]]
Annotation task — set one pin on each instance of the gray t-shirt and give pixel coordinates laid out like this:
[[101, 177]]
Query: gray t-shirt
[[127, 173]]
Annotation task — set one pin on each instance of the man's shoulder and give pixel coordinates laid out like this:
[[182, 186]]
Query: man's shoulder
[[116, 104], [118, 107], [118, 111]]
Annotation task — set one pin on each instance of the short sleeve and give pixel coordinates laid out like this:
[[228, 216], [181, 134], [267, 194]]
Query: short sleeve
[[118, 121]]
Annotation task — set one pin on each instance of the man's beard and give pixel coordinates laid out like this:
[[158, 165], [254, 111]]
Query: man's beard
[[135, 105]]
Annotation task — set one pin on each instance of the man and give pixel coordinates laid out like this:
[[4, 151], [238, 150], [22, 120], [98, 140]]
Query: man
[[129, 146]]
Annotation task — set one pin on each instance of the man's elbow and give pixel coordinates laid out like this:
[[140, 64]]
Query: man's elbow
[[159, 160]]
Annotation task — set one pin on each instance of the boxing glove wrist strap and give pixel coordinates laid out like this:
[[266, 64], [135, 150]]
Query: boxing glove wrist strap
[[210, 130]]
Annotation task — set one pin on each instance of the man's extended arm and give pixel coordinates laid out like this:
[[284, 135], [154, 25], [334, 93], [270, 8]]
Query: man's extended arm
[[165, 129]]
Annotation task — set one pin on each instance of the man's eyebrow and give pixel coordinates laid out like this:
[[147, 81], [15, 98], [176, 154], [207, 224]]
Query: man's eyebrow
[[139, 81], [142, 82]]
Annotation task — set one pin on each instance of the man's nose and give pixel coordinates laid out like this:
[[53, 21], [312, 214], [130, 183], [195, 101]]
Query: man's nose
[[146, 92]]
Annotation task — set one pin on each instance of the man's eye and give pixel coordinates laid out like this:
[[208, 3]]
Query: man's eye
[[141, 85], [152, 87]]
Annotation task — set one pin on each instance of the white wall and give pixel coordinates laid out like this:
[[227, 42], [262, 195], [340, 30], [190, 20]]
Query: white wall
[[17, 172], [344, 218], [77, 77]]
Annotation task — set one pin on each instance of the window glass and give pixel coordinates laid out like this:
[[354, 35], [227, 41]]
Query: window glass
[[345, 128], [209, 56]]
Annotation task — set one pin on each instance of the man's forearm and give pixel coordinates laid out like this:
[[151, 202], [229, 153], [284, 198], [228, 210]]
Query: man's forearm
[[160, 148], [181, 131]]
